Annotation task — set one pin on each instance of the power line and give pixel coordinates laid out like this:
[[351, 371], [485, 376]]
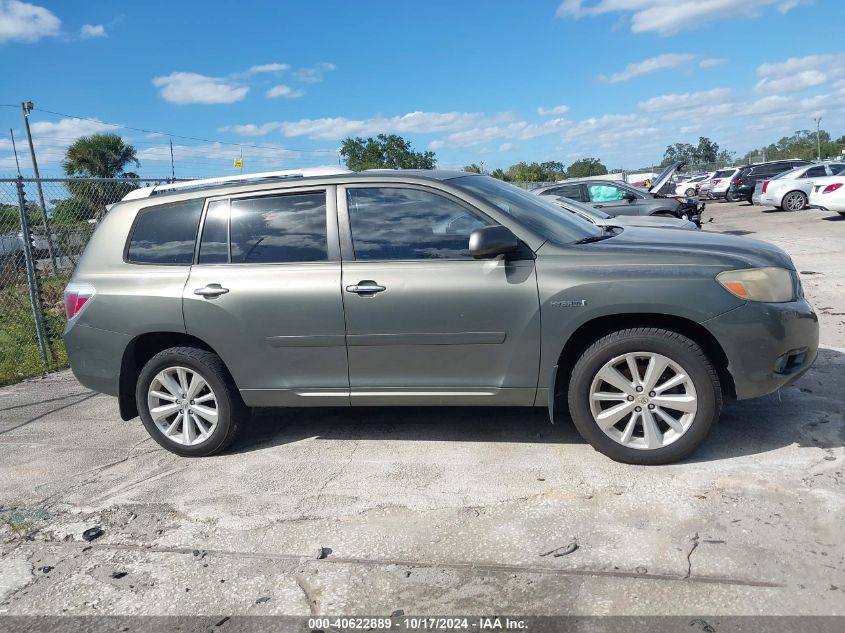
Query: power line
[[190, 138]]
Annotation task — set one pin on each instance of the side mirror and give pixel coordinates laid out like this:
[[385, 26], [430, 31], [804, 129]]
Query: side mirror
[[630, 197], [491, 241]]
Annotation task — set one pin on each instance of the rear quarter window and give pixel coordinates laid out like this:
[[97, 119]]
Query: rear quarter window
[[165, 234]]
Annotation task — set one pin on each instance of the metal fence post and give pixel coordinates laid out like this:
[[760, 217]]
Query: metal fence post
[[32, 282]]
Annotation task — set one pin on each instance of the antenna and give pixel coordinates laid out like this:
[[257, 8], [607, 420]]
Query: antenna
[[172, 165], [15, 149]]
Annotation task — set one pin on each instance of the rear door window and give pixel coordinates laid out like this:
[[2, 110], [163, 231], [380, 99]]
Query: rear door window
[[165, 234], [569, 191], [815, 172], [278, 229]]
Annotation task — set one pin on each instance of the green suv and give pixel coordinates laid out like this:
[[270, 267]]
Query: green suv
[[197, 301]]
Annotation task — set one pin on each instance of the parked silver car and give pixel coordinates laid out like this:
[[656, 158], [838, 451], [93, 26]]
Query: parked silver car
[[791, 190], [194, 302]]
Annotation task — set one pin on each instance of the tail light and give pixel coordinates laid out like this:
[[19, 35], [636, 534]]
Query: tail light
[[832, 188], [716, 181], [76, 297], [738, 181], [765, 185]]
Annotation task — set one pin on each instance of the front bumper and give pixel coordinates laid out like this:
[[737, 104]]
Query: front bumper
[[768, 345]]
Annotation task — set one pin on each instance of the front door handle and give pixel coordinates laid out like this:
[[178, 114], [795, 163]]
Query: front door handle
[[366, 287], [211, 291]]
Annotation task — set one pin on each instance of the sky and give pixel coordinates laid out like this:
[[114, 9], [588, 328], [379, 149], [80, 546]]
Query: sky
[[494, 82]]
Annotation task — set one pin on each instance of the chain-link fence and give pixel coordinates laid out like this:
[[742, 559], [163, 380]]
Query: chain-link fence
[[44, 227]]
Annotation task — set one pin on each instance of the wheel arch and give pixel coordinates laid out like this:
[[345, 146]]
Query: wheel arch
[[594, 329], [140, 350]]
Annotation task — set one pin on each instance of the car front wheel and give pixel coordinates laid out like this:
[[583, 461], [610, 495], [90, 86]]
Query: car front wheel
[[644, 396], [189, 403]]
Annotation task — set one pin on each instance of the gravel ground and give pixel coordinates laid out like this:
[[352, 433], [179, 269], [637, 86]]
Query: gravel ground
[[437, 511]]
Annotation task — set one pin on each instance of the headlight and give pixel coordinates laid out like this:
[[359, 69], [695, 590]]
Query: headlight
[[772, 285]]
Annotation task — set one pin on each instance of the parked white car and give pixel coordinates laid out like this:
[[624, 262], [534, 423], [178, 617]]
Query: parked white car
[[829, 194], [720, 182], [689, 187], [790, 190]]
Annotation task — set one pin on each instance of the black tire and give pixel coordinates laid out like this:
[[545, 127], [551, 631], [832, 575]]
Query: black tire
[[729, 197], [799, 196], [689, 193], [674, 346], [231, 411]]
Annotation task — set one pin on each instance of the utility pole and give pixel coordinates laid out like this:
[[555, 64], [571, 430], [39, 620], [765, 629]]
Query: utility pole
[[26, 108], [172, 164], [818, 121]]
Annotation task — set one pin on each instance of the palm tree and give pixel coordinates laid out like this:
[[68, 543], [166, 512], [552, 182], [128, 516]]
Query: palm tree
[[100, 156]]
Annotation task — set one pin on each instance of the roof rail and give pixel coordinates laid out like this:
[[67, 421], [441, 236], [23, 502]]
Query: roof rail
[[146, 192]]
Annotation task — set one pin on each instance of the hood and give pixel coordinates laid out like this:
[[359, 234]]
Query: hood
[[680, 247], [664, 176]]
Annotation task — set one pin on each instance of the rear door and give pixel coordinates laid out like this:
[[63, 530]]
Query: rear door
[[426, 322], [265, 294]]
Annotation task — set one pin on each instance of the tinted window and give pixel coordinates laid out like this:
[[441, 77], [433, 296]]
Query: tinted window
[[723, 173], [836, 169], [165, 234], [214, 245], [604, 193], [569, 191], [394, 223], [815, 172], [279, 229]]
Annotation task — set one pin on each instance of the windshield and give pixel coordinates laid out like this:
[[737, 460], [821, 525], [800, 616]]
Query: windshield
[[528, 209], [584, 209]]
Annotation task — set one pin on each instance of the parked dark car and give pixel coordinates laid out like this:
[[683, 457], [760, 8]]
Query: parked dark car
[[742, 185], [617, 197]]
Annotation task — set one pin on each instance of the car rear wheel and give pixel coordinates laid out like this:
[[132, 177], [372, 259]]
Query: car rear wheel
[[794, 201], [644, 396], [189, 403], [729, 197], [689, 193]]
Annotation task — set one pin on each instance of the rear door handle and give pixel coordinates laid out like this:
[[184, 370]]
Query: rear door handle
[[365, 287], [211, 290]]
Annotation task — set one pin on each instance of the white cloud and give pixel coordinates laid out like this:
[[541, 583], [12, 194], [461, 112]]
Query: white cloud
[[711, 62], [685, 100], [268, 68], [555, 111], [251, 129], [412, 123], [667, 17], [650, 65], [505, 147], [89, 31], [284, 91], [25, 22], [799, 73], [51, 139], [313, 74], [183, 88]]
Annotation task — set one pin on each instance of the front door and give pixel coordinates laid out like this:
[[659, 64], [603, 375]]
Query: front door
[[611, 199], [424, 320], [265, 294]]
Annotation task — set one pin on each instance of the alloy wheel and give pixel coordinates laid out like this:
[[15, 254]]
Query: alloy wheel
[[793, 202], [643, 400], [182, 405]]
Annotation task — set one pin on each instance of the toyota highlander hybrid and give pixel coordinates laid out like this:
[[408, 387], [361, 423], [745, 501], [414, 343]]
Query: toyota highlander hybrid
[[195, 302]]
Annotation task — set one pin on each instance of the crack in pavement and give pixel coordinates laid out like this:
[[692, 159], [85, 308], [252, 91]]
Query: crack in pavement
[[470, 566], [308, 591], [693, 546], [337, 474]]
